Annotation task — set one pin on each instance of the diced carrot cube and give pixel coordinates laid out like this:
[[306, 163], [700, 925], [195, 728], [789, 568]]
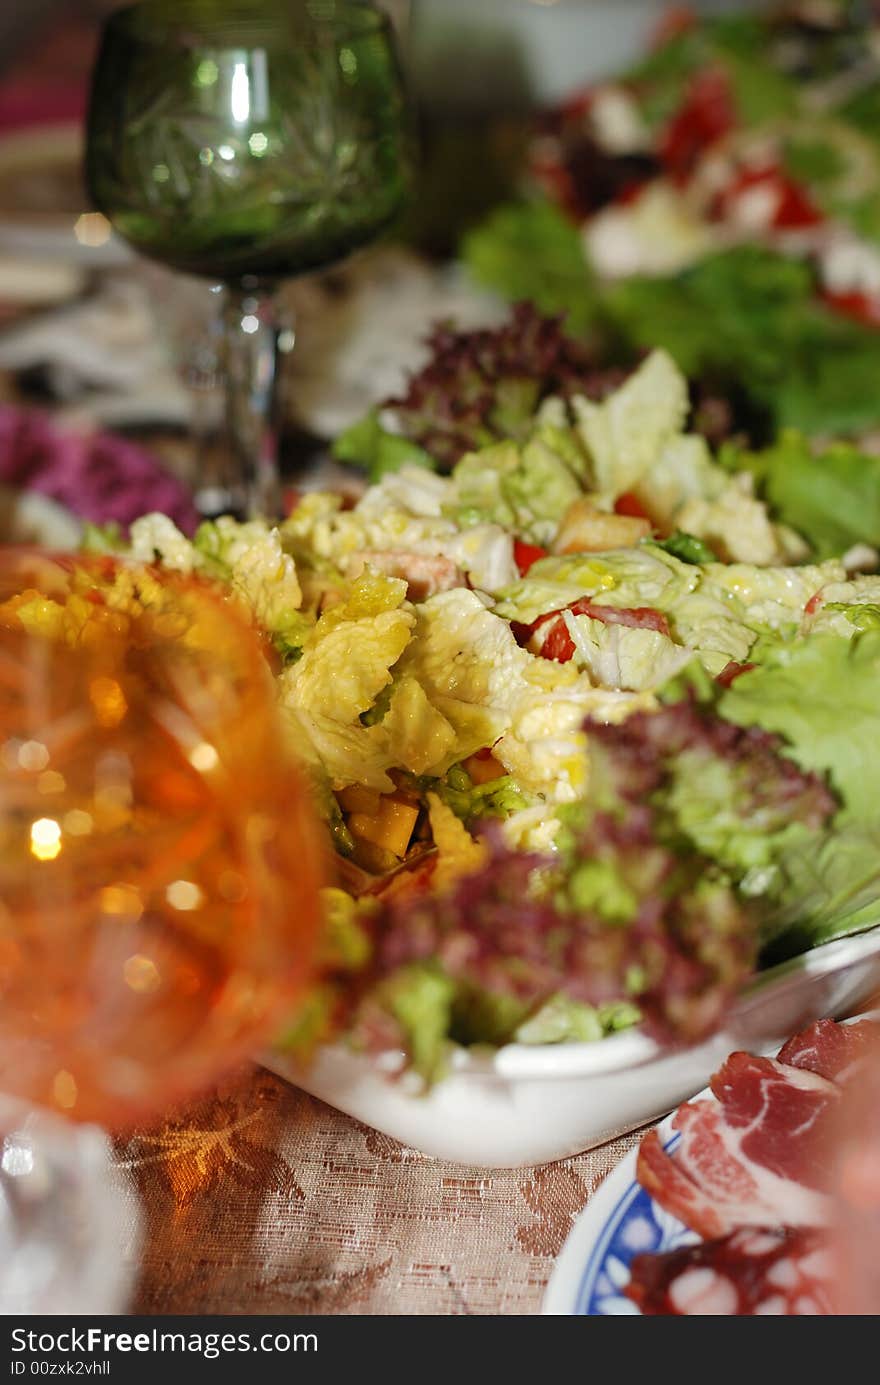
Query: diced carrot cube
[[483, 768], [390, 828], [358, 799]]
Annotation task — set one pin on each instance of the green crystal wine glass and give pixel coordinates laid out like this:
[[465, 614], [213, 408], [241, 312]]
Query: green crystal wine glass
[[248, 141]]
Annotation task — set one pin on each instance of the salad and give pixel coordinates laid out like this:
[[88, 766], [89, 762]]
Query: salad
[[721, 199], [592, 718]]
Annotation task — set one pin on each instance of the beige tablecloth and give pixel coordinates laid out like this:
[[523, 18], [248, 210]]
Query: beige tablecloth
[[261, 1199]]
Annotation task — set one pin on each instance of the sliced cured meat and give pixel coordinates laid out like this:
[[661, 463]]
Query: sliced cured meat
[[549, 637], [779, 1114], [672, 1187], [750, 1175], [829, 1048], [759, 1152], [756, 1271], [712, 1186], [425, 575]]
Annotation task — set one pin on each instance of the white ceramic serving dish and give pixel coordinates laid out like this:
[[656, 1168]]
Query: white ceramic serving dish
[[530, 1105]]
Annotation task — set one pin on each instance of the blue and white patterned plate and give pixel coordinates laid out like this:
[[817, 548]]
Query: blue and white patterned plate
[[620, 1222]]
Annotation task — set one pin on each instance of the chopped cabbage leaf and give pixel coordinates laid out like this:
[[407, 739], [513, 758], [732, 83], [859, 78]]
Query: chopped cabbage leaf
[[457, 852], [403, 514], [627, 433], [620, 656], [683, 471], [421, 736], [525, 489], [155, 538], [345, 666], [626, 577], [772, 596], [737, 525]]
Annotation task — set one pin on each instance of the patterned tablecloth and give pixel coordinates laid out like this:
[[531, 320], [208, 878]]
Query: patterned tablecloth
[[261, 1199]]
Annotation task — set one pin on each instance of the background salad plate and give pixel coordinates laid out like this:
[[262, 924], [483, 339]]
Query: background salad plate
[[523, 1105]]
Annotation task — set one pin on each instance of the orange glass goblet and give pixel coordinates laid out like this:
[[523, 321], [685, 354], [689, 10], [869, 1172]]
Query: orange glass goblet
[[159, 860]]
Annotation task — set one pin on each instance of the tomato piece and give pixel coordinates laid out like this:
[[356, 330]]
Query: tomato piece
[[731, 672], [579, 105], [558, 646], [629, 504], [556, 642], [707, 114], [813, 604], [525, 554], [791, 208], [864, 307], [631, 192], [796, 208]]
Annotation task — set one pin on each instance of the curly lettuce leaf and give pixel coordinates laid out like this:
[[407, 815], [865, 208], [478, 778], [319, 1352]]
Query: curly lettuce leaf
[[531, 251], [730, 793], [561, 1020], [825, 890], [821, 695], [749, 318], [625, 919], [831, 497], [477, 387]]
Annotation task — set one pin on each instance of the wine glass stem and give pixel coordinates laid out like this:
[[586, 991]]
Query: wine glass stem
[[251, 404]]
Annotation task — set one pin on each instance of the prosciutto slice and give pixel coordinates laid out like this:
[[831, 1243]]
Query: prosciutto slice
[[713, 1186], [830, 1049], [757, 1154], [779, 1271], [779, 1114], [749, 1175]]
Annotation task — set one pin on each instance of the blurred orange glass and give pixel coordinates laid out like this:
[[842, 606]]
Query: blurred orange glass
[[159, 861]]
